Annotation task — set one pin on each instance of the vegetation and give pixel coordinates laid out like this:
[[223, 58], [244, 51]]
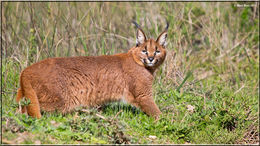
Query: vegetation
[[207, 89]]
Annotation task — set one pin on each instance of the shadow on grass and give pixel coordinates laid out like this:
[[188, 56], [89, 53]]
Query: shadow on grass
[[110, 108], [117, 107]]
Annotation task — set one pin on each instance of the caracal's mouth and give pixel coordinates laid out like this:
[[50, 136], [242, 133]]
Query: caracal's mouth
[[149, 64]]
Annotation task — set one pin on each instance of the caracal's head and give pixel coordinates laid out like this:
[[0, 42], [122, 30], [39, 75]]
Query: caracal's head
[[148, 52]]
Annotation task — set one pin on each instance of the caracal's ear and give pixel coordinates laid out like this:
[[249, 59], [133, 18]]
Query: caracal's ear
[[162, 37], [140, 36]]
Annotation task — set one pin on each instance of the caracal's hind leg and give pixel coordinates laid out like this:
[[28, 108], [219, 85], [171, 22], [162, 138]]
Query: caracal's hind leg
[[18, 98], [33, 109], [19, 95]]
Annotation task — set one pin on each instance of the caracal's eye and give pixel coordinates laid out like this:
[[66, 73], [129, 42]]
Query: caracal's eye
[[144, 51], [157, 52]]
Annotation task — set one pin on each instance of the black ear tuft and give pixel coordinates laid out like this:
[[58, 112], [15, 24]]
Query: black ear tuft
[[136, 24], [167, 25]]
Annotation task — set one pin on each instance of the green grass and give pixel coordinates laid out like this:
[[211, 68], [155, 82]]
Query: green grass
[[207, 88]]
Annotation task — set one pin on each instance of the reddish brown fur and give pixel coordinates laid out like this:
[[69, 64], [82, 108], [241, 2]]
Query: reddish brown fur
[[65, 83]]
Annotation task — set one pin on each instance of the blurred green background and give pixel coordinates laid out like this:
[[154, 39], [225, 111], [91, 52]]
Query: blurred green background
[[212, 65]]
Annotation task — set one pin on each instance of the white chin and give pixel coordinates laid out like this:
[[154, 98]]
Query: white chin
[[150, 64]]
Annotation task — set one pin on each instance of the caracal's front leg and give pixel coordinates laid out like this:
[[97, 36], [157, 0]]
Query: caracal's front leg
[[146, 103]]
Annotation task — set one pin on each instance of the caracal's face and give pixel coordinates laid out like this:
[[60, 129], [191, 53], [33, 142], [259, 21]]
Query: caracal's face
[[150, 53]]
